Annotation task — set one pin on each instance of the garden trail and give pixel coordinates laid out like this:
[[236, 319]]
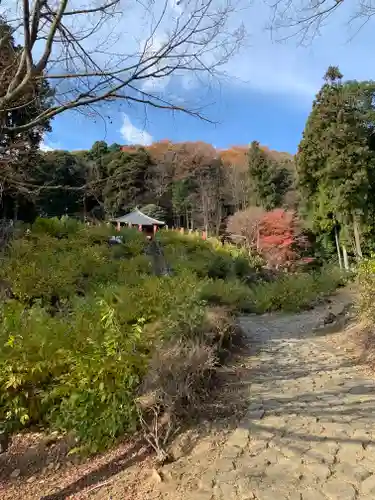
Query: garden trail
[[309, 429], [307, 433]]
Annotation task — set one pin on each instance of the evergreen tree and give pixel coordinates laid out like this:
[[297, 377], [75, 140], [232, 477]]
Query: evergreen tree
[[270, 181], [336, 157], [126, 183], [60, 168]]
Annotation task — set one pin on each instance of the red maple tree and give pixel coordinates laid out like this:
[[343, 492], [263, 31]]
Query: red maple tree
[[281, 238]]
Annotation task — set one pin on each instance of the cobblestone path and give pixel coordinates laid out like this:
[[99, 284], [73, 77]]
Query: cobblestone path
[[309, 432]]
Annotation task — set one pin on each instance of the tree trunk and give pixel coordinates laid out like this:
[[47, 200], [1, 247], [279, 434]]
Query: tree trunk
[[345, 256], [15, 209], [357, 238], [338, 247], [218, 222]]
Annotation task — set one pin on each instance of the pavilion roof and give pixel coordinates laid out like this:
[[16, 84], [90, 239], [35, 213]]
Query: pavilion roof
[[138, 218]]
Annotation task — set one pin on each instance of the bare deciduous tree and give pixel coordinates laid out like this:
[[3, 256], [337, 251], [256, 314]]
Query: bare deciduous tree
[[108, 50], [305, 19], [245, 224]]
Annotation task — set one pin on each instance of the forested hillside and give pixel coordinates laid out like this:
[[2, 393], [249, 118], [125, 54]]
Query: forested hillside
[[187, 184], [328, 184]]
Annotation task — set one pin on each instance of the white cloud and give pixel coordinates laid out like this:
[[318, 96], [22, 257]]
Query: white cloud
[[288, 69], [47, 145], [133, 134], [282, 69], [151, 47]]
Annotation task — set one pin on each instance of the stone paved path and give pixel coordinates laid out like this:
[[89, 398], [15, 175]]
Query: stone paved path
[[309, 432]]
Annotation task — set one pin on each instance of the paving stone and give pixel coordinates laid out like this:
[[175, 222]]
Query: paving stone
[[319, 470], [256, 446], [255, 414], [312, 494], [368, 485], [199, 495], [207, 480], [223, 464], [351, 452], [337, 489], [240, 437], [247, 469], [351, 473], [278, 473], [269, 494], [15, 473], [368, 464], [231, 452], [228, 490], [295, 495], [202, 447]]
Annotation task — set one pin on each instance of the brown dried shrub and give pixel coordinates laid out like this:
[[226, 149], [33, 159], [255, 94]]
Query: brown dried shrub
[[180, 377]]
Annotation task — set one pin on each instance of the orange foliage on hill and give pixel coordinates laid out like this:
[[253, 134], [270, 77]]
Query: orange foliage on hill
[[236, 156], [186, 152]]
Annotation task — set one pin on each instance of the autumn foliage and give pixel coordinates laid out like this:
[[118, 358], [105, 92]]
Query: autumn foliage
[[276, 235], [281, 239]]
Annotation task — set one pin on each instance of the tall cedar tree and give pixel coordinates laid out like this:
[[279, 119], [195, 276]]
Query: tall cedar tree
[[335, 161], [270, 181], [19, 150]]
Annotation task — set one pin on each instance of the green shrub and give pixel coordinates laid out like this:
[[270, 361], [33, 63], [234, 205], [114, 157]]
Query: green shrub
[[290, 292], [366, 288], [293, 292], [207, 258], [232, 293], [242, 267], [78, 374], [78, 366], [220, 267], [56, 227]]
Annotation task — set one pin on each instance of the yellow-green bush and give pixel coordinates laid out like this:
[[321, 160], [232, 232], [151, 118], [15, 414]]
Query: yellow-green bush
[[232, 293], [366, 287], [77, 373]]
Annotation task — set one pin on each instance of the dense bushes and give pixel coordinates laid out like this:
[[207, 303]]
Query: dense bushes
[[366, 296], [88, 324], [207, 258], [289, 292], [365, 337]]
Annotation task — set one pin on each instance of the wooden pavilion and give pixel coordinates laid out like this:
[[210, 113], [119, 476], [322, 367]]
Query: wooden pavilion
[[138, 219]]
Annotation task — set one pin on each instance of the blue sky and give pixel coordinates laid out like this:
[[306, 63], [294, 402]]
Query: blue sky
[[266, 97], [240, 117]]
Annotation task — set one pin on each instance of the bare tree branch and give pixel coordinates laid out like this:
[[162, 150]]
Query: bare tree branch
[[102, 52], [304, 20]]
